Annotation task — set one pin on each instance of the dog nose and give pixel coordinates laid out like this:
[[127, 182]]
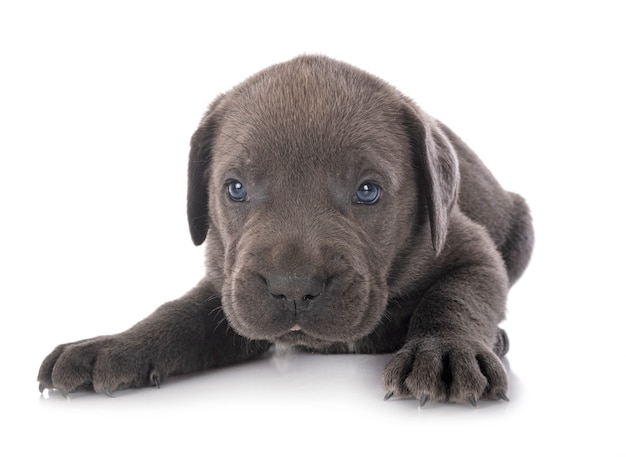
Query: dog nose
[[294, 293]]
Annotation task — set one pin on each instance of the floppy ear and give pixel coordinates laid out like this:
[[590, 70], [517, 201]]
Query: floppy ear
[[197, 184], [437, 170]]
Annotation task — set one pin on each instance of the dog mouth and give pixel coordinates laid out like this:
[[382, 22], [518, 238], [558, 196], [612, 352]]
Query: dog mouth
[[307, 336], [297, 336]]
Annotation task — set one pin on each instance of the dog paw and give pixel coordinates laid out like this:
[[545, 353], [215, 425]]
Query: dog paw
[[104, 364], [434, 369]]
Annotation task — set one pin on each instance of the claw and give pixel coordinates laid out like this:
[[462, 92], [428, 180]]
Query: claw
[[472, 400], [502, 396], [388, 395], [155, 379], [41, 388], [423, 400], [64, 393], [108, 393]]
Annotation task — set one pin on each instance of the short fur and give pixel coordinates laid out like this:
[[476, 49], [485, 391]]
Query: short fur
[[306, 259]]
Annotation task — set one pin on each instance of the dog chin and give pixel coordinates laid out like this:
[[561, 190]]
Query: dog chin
[[300, 338]]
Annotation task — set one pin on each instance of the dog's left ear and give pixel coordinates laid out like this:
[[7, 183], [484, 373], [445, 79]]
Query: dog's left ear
[[437, 169], [197, 184]]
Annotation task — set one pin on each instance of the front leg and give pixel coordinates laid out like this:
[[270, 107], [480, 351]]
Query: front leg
[[453, 336], [182, 336]]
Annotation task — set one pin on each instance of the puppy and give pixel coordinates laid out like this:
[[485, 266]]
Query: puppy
[[338, 217]]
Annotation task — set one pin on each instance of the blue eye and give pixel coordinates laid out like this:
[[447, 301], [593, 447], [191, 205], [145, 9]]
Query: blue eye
[[367, 193], [237, 191]]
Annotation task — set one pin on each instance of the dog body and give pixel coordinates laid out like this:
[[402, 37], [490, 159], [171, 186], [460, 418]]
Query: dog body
[[339, 217]]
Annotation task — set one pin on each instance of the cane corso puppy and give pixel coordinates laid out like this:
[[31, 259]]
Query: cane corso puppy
[[337, 217]]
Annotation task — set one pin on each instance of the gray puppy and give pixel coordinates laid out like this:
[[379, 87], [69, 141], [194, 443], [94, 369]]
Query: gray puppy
[[338, 217]]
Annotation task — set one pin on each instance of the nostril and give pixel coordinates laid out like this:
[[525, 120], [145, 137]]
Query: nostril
[[309, 297], [270, 288]]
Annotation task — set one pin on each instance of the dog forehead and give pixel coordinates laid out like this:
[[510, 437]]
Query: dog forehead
[[299, 154], [312, 116]]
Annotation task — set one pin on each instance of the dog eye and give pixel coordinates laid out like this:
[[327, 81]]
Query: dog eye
[[368, 193], [237, 191]]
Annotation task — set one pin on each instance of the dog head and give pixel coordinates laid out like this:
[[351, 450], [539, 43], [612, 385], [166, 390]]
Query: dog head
[[319, 190]]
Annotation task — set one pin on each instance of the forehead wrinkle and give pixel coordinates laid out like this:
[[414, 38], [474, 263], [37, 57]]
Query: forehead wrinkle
[[230, 152]]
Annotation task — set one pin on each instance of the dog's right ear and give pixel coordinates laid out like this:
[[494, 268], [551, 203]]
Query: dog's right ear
[[197, 184]]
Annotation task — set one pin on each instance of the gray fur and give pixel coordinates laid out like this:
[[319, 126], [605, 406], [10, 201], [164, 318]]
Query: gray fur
[[306, 259]]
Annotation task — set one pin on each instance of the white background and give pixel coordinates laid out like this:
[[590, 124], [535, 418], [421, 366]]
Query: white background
[[97, 105]]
